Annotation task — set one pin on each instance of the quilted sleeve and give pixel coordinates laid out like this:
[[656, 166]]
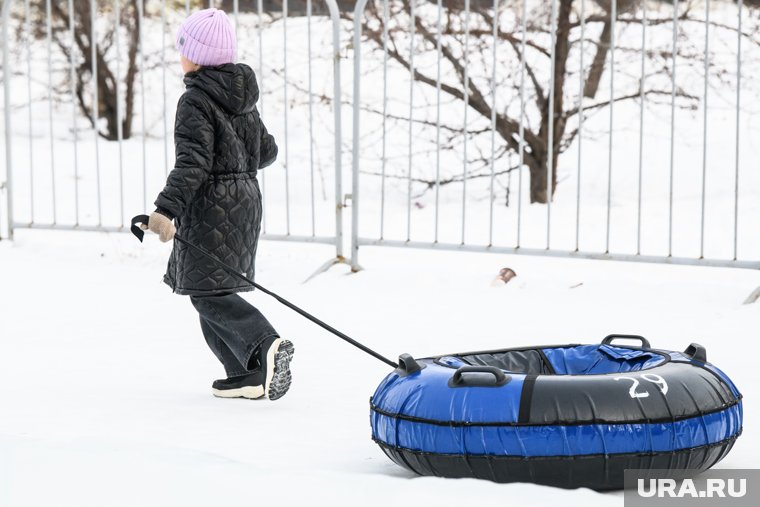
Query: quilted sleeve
[[268, 148], [194, 149]]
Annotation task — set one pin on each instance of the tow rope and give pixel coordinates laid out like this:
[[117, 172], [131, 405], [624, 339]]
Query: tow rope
[[139, 234]]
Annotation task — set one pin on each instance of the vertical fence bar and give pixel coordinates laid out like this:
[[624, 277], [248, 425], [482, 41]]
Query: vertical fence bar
[[141, 17], [704, 133], [332, 6], [642, 98], [466, 90], [581, 79], [285, 111], [119, 126], [738, 124], [412, 32], [28, 42], [383, 158], [521, 128], [613, 19], [356, 127], [7, 118], [672, 128], [49, 39], [235, 8], [493, 121], [163, 86], [311, 117], [72, 77], [438, 50], [509, 178], [95, 108], [187, 7], [550, 150], [260, 29]]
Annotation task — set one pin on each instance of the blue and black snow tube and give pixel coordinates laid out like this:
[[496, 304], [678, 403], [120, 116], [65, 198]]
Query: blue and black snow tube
[[564, 415]]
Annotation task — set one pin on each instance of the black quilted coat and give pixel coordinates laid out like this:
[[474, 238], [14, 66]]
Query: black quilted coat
[[212, 192]]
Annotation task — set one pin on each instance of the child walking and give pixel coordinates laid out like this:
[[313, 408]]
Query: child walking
[[213, 197]]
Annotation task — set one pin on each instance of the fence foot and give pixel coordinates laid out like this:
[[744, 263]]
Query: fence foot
[[754, 296], [326, 266]]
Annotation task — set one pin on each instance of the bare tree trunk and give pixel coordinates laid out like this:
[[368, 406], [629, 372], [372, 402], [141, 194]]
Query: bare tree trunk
[[106, 80], [597, 65], [134, 42], [540, 172]]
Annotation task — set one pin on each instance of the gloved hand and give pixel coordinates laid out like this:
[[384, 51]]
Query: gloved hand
[[161, 225]]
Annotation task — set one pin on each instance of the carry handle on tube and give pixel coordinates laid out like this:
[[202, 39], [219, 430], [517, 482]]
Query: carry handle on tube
[[460, 380], [139, 233], [644, 342]]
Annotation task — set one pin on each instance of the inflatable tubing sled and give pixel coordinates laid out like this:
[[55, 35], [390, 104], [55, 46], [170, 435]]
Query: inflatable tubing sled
[[569, 416]]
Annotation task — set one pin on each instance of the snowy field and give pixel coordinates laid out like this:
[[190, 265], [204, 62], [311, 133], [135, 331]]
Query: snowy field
[[105, 377]]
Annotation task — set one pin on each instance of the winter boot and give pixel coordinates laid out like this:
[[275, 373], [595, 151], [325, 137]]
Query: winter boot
[[249, 386], [275, 355]]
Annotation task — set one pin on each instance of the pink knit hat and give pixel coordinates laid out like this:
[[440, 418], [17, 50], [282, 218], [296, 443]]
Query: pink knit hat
[[207, 38]]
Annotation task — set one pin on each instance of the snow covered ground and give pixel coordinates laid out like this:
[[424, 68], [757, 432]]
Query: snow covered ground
[[105, 377]]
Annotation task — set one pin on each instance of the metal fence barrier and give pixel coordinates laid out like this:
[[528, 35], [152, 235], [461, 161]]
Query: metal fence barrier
[[109, 212], [420, 22], [513, 127]]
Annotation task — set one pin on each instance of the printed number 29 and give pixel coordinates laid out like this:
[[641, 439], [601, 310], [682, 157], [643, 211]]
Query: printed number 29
[[650, 377]]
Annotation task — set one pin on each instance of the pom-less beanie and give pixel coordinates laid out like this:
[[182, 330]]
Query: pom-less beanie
[[207, 38]]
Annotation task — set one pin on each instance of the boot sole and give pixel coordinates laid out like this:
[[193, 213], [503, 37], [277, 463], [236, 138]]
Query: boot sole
[[279, 378], [249, 392]]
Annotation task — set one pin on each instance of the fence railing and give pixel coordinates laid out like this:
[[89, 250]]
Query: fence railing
[[581, 130], [655, 216], [86, 183]]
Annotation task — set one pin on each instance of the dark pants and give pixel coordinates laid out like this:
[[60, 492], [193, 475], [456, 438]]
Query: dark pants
[[233, 329]]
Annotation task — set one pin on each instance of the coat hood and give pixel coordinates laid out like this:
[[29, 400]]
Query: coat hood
[[232, 86]]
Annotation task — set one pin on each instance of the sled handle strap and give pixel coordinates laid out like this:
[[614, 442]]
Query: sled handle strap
[[135, 227], [459, 380], [644, 342], [139, 233]]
